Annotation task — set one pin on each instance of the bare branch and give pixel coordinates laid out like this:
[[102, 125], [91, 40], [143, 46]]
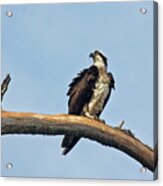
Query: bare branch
[[4, 85], [31, 123]]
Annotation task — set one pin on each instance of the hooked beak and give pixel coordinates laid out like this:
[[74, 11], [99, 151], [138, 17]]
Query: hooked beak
[[92, 55]]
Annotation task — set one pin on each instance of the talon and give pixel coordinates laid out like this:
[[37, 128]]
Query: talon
[[88, 115], [101, 120]]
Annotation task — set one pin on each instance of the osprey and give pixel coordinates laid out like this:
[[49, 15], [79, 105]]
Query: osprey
[[88, 94]]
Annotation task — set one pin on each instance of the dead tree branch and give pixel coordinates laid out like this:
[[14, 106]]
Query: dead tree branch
[[4, 85], [31, 123]]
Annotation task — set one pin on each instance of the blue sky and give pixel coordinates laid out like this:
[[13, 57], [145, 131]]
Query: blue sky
[[43, 48]]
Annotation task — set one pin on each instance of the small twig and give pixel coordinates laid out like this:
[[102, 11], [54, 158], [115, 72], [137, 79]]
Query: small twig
[[127, 131], [4, 85], [120, 125]]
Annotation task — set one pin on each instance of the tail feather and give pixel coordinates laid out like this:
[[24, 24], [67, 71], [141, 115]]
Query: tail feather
[[68, 143]]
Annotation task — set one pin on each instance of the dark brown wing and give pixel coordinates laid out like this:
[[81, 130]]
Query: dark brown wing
[[111, 86], [112, 81], [80, 92]]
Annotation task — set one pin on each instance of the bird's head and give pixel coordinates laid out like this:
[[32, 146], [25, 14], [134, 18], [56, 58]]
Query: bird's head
[[99, 59]]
